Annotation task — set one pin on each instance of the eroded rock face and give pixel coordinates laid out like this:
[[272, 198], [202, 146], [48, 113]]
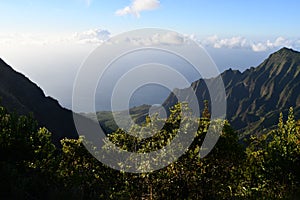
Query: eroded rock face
[[256, 96]]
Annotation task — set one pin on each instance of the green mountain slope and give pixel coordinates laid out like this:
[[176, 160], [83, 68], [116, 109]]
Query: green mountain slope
[[256, 96]]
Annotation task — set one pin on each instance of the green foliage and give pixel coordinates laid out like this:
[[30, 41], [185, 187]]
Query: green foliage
[[26, 156], [190, 177], [33, 168], [272, 168]]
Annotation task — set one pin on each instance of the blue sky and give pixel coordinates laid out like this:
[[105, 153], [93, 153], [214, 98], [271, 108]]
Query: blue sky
[[257, 21], [201, 17], [42, 39]]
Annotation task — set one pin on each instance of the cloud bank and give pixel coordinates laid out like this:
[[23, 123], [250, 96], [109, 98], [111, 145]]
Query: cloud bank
[[238, 42], [97, 36], [137, 6], [167, 38], [92, 36]]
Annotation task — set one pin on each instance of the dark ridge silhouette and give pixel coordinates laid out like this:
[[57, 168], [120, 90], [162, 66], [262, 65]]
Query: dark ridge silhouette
[[18, 94]]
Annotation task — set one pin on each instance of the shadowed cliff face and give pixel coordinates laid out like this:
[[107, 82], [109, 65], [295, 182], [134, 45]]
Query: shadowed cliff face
[[256, 96], [18, 94]]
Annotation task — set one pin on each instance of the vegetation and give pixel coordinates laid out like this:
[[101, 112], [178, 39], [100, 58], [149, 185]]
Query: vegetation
[[264, 167]]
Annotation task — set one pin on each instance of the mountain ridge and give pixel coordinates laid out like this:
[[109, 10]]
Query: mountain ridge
[[254, 97], [20, 95], [271, 87]]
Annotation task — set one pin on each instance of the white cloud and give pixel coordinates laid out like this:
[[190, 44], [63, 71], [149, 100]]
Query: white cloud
[[170, 38], [233, 42], [241, 42], [92, 36], [259, 47], [278, 42], [98, 36], [138, 6], [166, 38], [89, 37]]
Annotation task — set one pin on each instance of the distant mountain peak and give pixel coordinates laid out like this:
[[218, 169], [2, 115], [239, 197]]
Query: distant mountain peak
[[284, 53], [256, 96], [280, 60], [231, 72], [285, 49]]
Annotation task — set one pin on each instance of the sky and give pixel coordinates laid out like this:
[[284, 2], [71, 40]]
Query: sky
[[49, 40]]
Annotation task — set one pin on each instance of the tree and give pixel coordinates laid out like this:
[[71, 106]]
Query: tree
[[26, 157], [273, 163]]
